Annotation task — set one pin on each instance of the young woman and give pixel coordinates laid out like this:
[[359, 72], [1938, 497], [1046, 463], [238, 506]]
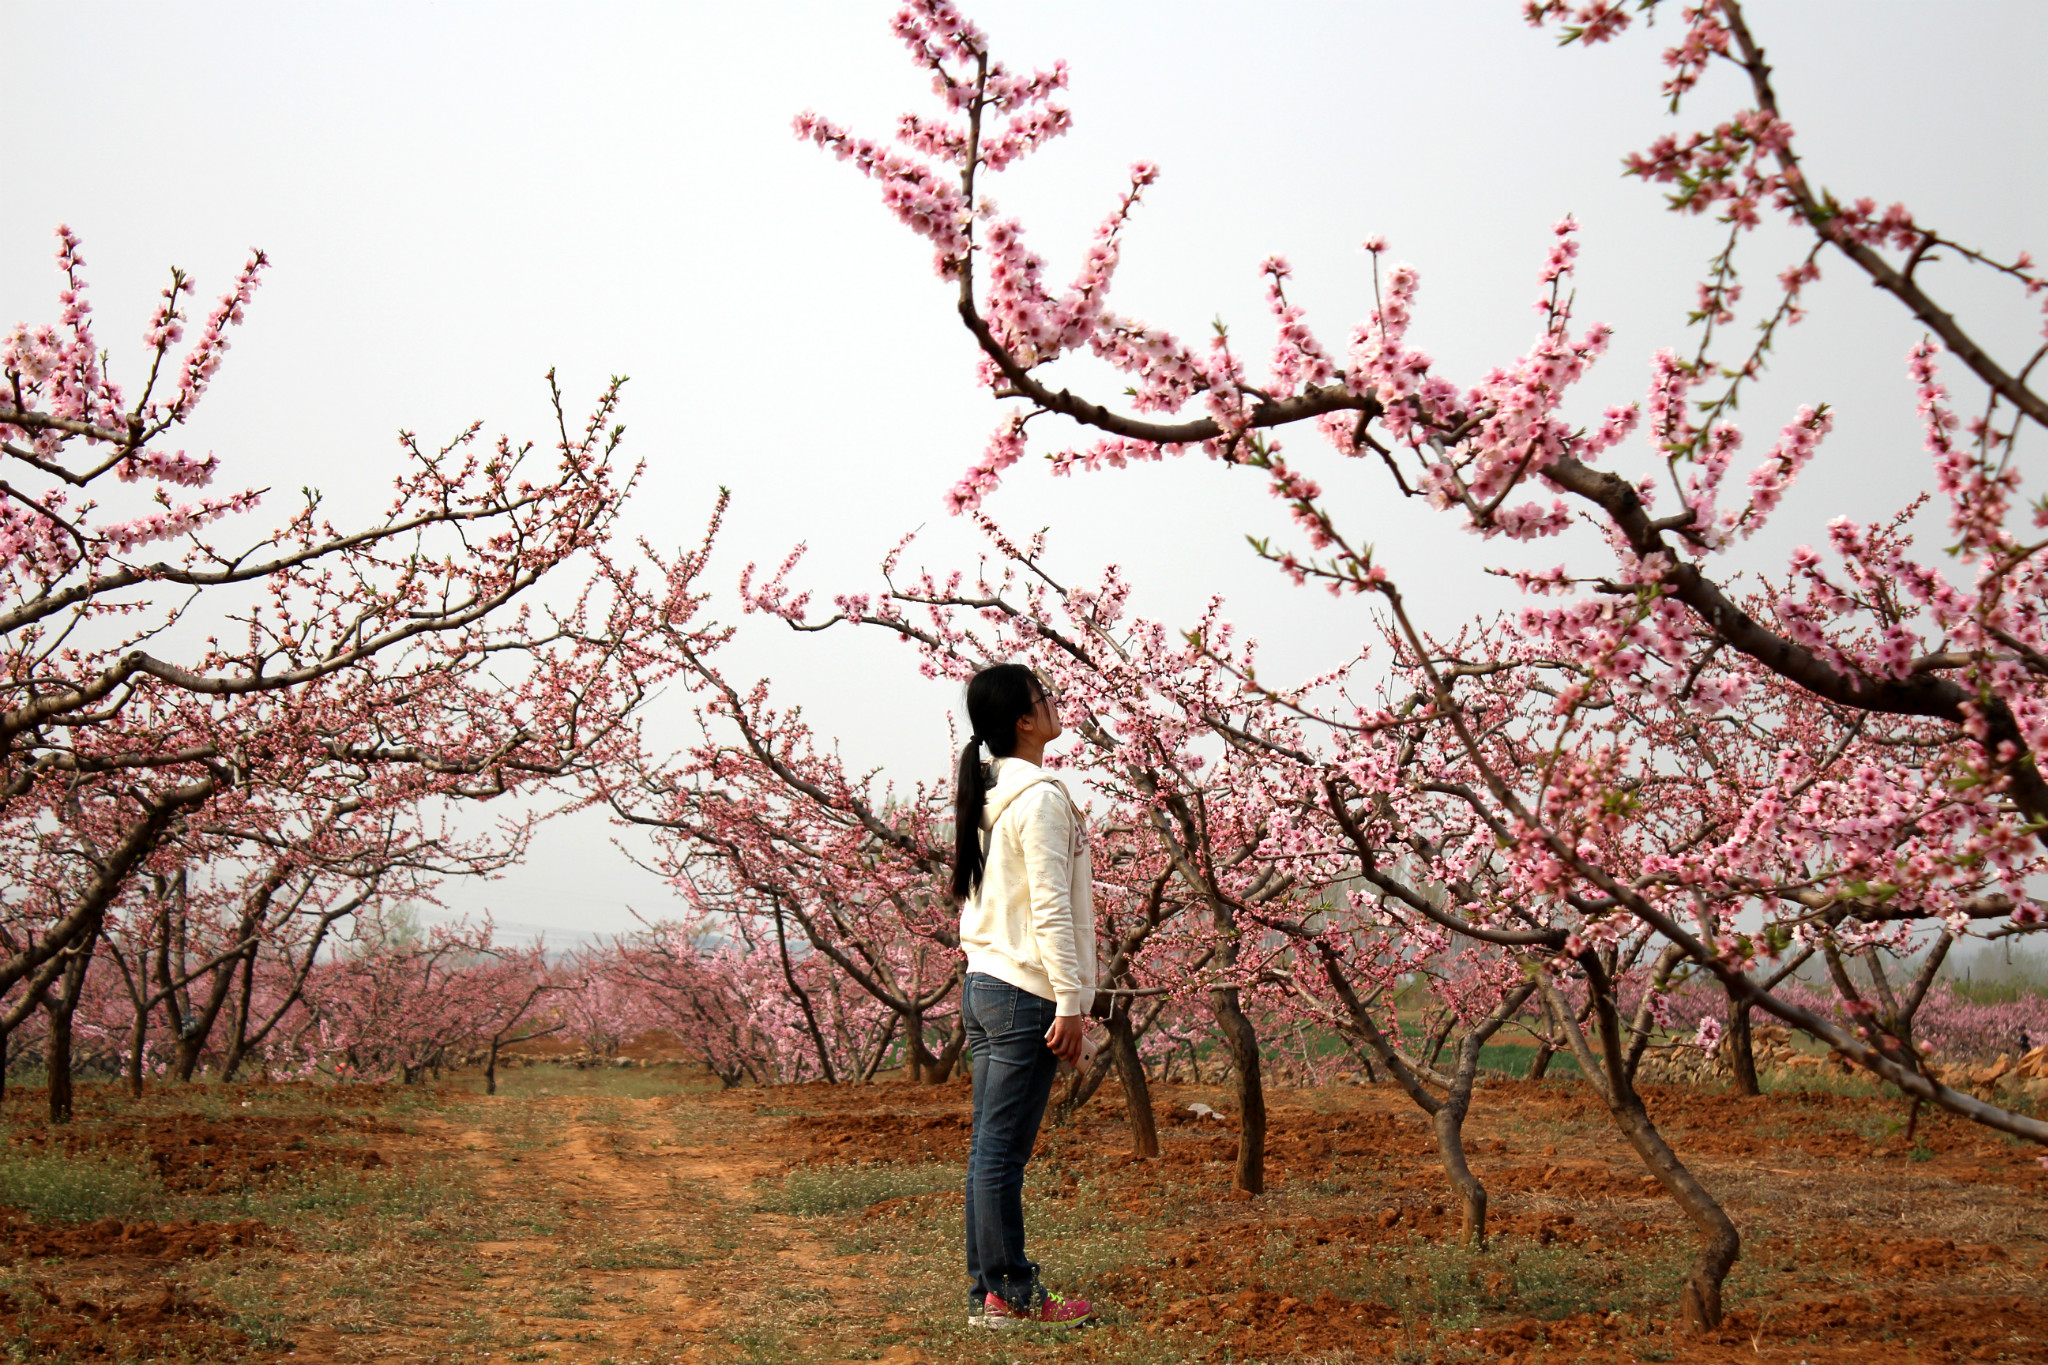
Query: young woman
[[1027, 924]]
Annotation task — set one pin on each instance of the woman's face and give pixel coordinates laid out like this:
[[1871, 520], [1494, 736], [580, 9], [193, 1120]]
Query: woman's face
[[1045, 717]]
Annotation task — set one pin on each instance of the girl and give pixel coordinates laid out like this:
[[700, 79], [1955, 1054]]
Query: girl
[[1027, 924]]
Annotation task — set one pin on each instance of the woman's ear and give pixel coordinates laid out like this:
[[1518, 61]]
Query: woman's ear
[[1034, 723]]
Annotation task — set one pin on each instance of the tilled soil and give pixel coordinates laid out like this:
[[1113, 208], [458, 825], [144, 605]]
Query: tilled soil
[[1859, 1248], [23, 1239], [610, 1229], [158, 1324], [204, 1156]]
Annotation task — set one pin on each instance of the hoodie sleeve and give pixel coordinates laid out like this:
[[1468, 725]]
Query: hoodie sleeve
[[1046, 831]]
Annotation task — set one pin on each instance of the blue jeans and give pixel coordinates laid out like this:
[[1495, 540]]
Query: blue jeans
[[1013, 1074]]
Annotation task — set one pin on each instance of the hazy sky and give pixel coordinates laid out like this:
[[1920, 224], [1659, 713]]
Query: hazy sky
[[459, 196]]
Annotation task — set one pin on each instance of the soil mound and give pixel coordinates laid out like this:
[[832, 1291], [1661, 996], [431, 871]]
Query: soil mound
[[147, 1243], [163, 1323], [206, 1156], [885, 1137]]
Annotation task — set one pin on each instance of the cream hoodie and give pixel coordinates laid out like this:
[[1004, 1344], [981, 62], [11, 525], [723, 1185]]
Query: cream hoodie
[[1032, 922]]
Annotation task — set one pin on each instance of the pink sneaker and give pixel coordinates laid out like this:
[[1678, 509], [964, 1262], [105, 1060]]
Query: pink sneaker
[[1052, 1311]]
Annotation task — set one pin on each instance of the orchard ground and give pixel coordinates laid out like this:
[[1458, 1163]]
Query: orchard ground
[[639, 1215]]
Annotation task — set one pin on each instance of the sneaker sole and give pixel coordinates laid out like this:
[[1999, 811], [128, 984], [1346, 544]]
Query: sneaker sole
[[1001, 1324]]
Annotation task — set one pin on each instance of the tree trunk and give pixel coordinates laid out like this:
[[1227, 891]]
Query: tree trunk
[[57, 1063], [803, 1001], [949, 1055], [1548, 1047], [1450, 1117], [1435, 1049], [57, 1051], [918, 1061], [1080, 1088], [1646, 1018], [187, 1058], [874, 1063], [1739, 1047], [1720, 1243], [238, 1016], [1243, 1043], [491, 1070], [138, 1040], [1130, 1070], [197, 1026]]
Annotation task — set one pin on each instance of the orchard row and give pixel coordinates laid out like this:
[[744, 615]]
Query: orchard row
[[1644, 801]]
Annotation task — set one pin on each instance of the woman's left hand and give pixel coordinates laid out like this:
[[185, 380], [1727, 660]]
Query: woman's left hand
[[1064, 1038]]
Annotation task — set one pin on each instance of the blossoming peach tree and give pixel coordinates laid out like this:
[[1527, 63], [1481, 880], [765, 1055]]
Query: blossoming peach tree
[[1657, 768], [185, 683]]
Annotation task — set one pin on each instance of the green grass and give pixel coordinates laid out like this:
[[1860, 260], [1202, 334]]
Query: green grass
[[1823, 1080], [840, 1189], [632, 1083], [55, 1187], [1999, 990], [1457, 1289], [642, 1256], [1515, 1059], [253, 1301], [568, 1301]]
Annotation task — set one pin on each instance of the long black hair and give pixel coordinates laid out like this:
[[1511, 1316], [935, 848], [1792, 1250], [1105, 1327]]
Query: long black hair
[[997, 698]]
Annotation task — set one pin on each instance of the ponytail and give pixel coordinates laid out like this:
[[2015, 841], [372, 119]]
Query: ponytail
[[970, 799], [997, 698]]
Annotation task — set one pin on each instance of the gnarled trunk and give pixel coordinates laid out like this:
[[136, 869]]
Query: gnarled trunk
[[1243, 1042], [1118, 1054], [57, 1064], [917, 1059], [1450, 1117], [1081, 1085], [803, 1000], [942, 1066], [1447, 1115], [1130, 1071], [138, 1041], [60, 1008], [1720, 1244], [1738, 1045], [1646, 1014], [882, 1050]]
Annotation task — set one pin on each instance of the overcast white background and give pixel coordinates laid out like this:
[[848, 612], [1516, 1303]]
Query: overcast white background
[[457, 197]]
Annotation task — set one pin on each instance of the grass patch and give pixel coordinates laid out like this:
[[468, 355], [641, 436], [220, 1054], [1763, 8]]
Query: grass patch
[[1824, 1081], [1456, 1288], [1515, 1059], [642, 1256], [841, 1189], [76, 1189], [252, 1301], [628, 1083], [568, 1301]]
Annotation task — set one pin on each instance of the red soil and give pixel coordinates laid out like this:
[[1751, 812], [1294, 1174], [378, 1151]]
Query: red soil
[[159, 1323], [1881, 1296], [201, 1156], [139, 1243]]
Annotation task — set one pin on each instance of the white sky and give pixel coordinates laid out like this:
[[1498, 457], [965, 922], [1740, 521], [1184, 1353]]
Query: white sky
[[458, 196]]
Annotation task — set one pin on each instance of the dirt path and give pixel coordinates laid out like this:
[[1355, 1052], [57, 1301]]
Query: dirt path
[[644, 1242], [635, 1218]]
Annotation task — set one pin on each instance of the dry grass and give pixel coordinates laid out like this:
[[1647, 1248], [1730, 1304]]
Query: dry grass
[[626, 1218]]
